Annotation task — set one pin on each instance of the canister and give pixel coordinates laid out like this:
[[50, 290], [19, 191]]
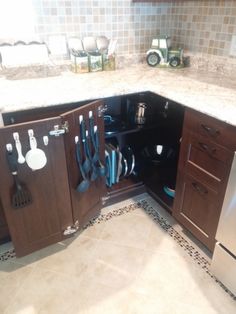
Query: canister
[[109, 62], [95, 61], [82, 63]]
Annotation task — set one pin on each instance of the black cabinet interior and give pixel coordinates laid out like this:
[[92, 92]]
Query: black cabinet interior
[[154, 143]]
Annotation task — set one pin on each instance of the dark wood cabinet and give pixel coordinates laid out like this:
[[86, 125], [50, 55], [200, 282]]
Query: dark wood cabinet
[[56, 206], [4, 232], [205, 160], [198, 171]]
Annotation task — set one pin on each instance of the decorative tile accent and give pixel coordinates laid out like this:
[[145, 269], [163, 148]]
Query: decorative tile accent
[[163, 223], [7, 255]]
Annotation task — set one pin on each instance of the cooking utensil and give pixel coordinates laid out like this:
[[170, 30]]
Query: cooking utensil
[[124, 166], [86, 164], [108, 168], [35, 157], [89, 44], [113, 157], [95, 140], [21, 158], [21, 196], [94, 174], [130, 158], [84, 184], [119, 165], [101, 168], [102, 43]]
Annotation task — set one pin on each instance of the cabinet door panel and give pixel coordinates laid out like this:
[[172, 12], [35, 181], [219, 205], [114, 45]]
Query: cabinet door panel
[[197, 207], [85, 205], [42, 222], [4, 232]]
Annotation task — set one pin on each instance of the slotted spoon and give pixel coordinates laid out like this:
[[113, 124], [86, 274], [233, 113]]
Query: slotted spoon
[[21, 196]]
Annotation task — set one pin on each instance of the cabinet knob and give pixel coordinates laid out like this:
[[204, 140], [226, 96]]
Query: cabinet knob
[[209, 130], [205, 147], [199, 188]]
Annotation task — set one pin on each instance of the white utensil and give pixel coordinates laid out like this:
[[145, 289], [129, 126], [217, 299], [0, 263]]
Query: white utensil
[[21, 158], [35, 157]]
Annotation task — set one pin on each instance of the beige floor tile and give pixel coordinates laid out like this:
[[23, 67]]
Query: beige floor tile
[[45, 292], [75, 259], [94, 231], [160, 240], [12, 276], [180, 280], [130, 230], [116, 266]]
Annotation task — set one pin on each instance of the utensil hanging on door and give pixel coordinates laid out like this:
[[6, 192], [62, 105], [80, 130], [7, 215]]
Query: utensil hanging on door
[[94, 174], [21, 158], [35, 157], [95, 141], [84, 184], [21, 196], [86, 164]]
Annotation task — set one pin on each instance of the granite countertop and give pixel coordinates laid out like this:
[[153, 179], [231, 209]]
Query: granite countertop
[[206, 92]]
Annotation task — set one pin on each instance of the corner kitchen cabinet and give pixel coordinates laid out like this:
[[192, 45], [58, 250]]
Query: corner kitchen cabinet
[[56, 203], [57, 209], [205, 160]]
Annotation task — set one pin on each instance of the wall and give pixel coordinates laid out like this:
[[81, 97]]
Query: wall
[[203, 27], [132, 24]]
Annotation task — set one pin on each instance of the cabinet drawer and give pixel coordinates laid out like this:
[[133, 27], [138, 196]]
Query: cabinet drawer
[[197, 207], [211, 128], [209, 158], [204, 159]]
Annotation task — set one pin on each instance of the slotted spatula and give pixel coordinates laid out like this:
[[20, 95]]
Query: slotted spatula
[[21, 196]]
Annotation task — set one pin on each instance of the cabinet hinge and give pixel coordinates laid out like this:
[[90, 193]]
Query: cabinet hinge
[[71, 229], [104, 199], [59, 130], [101, 110]]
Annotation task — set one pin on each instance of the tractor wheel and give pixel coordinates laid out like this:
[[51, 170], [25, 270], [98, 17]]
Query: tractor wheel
[[174, 62], [153, 59]]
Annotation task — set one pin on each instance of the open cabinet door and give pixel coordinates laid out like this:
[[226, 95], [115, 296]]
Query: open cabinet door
[[86, 204], [43, 221]]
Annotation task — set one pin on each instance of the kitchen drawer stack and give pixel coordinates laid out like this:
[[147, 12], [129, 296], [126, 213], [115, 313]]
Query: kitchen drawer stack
[[205, 160]]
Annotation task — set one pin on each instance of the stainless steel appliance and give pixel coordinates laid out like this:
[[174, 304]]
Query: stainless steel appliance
[[223, 264]]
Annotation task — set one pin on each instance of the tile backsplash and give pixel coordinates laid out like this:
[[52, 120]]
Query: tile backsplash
[[203, 27]]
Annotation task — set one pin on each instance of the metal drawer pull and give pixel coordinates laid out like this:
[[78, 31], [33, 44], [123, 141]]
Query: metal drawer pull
[[209, 150], [199, 188], [211, 131]]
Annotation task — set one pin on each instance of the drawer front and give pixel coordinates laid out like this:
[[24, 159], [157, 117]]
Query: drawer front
[[197, 207], [207, 161], [209, 158], [211, 128]]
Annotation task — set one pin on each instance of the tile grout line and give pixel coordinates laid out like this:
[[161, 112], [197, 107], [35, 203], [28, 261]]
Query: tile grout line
[[181, 241]]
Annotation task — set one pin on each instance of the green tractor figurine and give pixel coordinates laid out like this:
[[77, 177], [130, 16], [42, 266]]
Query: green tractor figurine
[[163, 55]]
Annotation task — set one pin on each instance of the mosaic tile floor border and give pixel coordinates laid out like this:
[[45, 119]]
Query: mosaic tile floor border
[[184, 243]]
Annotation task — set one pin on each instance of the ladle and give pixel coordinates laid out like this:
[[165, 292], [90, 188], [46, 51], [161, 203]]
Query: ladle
[[86, 164]]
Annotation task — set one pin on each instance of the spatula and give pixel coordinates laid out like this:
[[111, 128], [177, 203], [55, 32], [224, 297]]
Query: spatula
[[21, 196]]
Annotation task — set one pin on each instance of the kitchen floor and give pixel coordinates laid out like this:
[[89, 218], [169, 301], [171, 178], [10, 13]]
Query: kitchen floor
[[134, 259]]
